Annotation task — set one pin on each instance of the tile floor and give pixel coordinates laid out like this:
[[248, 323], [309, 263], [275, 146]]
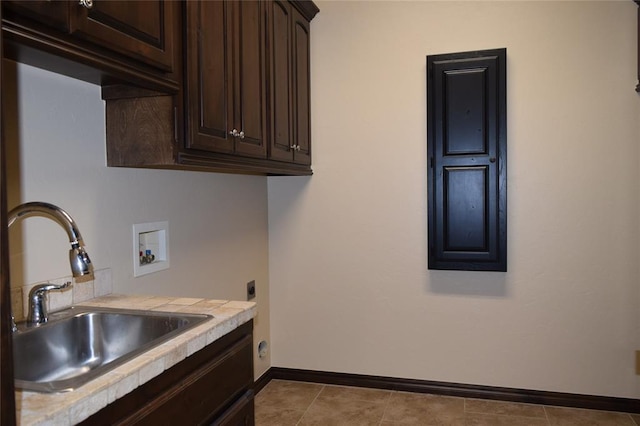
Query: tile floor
[[285, 403]]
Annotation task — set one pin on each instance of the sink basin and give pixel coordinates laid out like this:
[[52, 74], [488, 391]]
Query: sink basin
[[80, 343]]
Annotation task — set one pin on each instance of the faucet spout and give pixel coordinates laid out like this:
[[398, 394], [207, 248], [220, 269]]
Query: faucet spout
[[78, 257]]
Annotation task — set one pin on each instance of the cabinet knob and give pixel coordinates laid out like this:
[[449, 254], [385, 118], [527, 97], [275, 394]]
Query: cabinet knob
[[236, 134], [88, 4], [297, 147]]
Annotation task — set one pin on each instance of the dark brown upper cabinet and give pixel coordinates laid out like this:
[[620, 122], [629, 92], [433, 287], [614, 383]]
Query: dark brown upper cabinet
[[226, 77], [140, 30], [289, 38], [467, 150], [236, 51], [102, 42], [53, 14], [245, 102], [199, 85]]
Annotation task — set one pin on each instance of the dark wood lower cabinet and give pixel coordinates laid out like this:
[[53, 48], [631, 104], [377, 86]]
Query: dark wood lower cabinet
[[241, 413], [212, 386]]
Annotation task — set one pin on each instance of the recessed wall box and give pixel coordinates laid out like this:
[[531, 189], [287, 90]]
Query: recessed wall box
[[150, 247]]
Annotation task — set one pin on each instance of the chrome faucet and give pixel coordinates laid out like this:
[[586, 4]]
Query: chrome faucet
[[78, 257]]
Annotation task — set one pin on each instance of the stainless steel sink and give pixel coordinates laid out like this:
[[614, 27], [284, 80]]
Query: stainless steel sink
[[80, 343]]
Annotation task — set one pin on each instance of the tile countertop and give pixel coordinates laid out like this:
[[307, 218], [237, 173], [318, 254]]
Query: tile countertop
[[66, 408]]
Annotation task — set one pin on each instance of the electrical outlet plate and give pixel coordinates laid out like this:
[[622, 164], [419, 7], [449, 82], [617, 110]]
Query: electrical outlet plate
[[251, 289], [154, 238]]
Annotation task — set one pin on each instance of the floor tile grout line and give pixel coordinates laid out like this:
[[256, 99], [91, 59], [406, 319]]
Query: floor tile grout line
[[360, 388], [309, 406], [386, 405], [471, 411], [546, 414]]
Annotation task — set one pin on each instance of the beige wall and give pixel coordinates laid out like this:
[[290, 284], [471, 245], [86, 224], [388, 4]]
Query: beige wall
[[347, 247], [217, 222], [350, 289]]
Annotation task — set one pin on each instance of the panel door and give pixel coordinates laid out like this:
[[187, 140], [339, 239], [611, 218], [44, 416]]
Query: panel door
[[281, 80], [139, 29], [226, 77], [250, 110], [301, 88], [467, 156], [209, 76]]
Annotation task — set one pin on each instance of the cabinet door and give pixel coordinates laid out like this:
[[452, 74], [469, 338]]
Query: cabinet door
[[301, 89], [290, 138], [226, 77], [250, 81], [468, 165], [209, 70], [241, 413], [280, 27], [138, 29]]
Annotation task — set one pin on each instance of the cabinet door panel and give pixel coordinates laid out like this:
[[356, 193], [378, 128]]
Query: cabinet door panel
[[52, 13], [215, 385], [464, 210], [139, 29], [251, 83], [467, 154], [241, 413], [210, 95], [464, 112], [280, 79], [302, 107]]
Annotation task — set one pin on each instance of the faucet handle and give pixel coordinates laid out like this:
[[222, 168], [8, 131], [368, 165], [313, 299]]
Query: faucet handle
[[41, 289], [37, 307]]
